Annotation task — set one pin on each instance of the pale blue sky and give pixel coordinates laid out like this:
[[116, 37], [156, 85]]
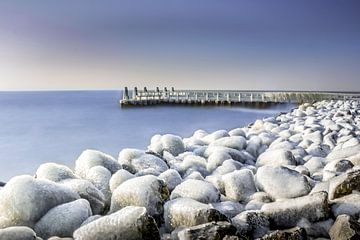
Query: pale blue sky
[[210, 44]]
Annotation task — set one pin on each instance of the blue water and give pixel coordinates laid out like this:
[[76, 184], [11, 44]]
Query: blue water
[[38, 127]]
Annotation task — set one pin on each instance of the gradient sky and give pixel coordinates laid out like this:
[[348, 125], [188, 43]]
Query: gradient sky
[[202, 44]]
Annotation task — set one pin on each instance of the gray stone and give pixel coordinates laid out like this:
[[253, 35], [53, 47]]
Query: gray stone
[[17, 233], [229, 208], [349, 205], [289, 234], [345, 228], [253, 223], [344, 184]]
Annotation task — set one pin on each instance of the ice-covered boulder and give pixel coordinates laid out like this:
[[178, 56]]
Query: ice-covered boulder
[[251, 223], [91, 158], [239, 185], [288, 212], [235, 142], [24, 200], [18, 233], [228, 208], [293, 233], [87, 191], [345, 227], [131, 223], [54, 172], [187, 212], [316, 229], [282, 182], [100, 177], [277, 157], [215, 135], [198, 190], [118, 178], [344, 153], [336, 168], [349, 205], [171, 177], [168, 142], [64, 219], [145, 191], [315, 164], [135, 161]]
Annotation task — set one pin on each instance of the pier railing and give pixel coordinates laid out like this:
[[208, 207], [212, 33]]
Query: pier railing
[[157, 96]]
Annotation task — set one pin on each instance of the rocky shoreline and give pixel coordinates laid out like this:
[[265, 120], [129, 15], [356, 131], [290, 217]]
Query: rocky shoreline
[[292, 176]]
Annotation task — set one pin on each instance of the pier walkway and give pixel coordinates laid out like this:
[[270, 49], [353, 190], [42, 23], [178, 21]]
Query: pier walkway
[[149, 97]]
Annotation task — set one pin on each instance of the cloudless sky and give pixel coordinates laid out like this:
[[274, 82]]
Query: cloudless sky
[[202, 44]]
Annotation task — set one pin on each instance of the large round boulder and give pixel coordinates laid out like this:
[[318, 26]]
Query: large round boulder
[[239, 185], [131, 223], [24, 200], [198, 190], [282, 182], [168, 142], [145, 191], [118, 178], [54, 172], [64, 219]]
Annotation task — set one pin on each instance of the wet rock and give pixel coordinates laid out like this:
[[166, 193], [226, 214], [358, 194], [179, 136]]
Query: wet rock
[[209, 231], [289, 234], [24, 200], [288, 212], [145, 191], [64, 219], [344, 184], [129, 223], [345, 228], [186, 212], [168, 142], [17, 233], [271, 180], [198, 190], [91, 158], [239, 185], [278, 157]]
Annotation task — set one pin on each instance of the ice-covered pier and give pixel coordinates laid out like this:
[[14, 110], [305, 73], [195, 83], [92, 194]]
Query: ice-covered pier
[[204, 97]]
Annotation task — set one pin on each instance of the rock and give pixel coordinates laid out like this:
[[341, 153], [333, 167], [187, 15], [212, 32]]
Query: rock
[[345, 228], [192, 174], [209, 231], [290, 234], [235, 142], [287, 213], [349, 205], [168, 142], [17, 233], [145, 191], [276, 157], [316, 229], [253, 223], [344, 184], [215, 135], [187, 212], [195, 163], [54, 172], [91, 158], [100, 177], [216, 159], [198, 190], [87, 191], [118, 178], [315, 164], [228, 166], [229, 208], [239, 185], [2, 184], [271, 180], [336, 168], [237, 132], [171, 178], [217, 181], [129, 223], [135, 161], [64, 219], [343, 153], [24, 200]]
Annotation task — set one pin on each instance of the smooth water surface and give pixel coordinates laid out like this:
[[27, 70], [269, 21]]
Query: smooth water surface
[[38, 127]]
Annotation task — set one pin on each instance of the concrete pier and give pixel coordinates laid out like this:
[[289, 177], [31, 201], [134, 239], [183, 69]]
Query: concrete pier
[[150, 97]]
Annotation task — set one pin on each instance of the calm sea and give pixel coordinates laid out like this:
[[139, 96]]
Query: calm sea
[[38, 127]]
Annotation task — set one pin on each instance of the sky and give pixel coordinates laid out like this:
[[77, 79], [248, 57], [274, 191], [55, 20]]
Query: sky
[[187, 44]]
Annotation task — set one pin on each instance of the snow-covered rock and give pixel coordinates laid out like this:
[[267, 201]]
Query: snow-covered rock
[[171, 177], [168, 142], [118, 178], [277, 157], [239, 185], [198, 190], [54, 172]]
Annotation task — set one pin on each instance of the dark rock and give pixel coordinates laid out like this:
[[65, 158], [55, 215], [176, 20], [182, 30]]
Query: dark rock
[[289, 234], [210, 231], [252, 223], [2, 184], [344, 184], [345, 228]]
